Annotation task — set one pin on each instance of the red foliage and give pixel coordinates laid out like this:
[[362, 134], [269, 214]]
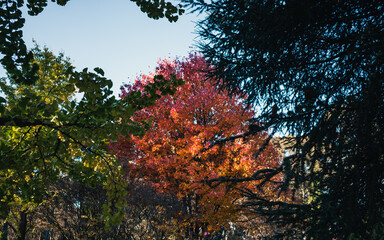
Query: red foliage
[[175, 153]]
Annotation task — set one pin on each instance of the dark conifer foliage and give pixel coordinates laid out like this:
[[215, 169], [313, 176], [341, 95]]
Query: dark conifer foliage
[[316, 68]]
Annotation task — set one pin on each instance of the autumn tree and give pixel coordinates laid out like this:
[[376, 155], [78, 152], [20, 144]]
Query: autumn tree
[[181, 149], [315, 69]]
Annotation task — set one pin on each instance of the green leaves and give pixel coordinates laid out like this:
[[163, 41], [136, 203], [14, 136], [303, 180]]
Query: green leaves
[[159, 9], [153, 91], [99, 71], [45, 133], [2, 108], [36, 6], [15, 57]]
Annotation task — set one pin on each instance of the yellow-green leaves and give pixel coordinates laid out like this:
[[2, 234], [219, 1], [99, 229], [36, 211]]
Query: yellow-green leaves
[[46, 134]]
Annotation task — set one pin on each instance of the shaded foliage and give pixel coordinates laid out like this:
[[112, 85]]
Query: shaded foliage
[[315, 69], [73, 210]]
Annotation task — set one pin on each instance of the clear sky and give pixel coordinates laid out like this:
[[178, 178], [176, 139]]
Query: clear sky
[[111, 34]]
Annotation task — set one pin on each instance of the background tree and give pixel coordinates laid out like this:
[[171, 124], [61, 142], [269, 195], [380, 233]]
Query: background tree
[[74, 211], [181, 149], [315, 68]]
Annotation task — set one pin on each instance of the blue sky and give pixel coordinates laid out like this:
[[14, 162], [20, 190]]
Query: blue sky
[[112, 34]]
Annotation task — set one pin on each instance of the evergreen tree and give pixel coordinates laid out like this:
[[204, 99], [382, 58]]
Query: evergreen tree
[[315, 69]]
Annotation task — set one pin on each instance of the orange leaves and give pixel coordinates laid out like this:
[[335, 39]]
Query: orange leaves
[[174, 114], [175, 154]]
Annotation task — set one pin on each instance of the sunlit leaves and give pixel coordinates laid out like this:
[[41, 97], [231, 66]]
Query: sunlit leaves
[[178, 151], [47, 133]]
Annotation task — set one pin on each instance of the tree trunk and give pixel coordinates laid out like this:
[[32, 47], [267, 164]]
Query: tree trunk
[[22, 225]]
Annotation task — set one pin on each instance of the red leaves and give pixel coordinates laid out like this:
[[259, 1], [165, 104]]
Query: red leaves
[[174, 154]]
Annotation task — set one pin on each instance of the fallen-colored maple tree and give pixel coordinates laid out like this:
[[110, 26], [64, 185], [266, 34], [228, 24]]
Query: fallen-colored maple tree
[[183, 146]]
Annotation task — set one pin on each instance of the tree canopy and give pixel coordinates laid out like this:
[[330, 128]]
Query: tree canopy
[[315, 69], [47, 134], [179, 153]]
